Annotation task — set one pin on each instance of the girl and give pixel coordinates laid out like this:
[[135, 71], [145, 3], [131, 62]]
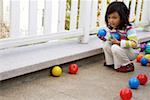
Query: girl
[[119, 53]]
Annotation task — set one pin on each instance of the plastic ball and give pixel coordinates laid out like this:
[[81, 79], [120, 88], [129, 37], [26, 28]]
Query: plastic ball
[[109, 37], [147, 49], [144, 61], [147, 56], [142, 78], [138, 58], [126, 94], [56, 71], [148, 43], [142, 46], [101, 32], [133, 44], [134, 83], [73, 68], [116, 36]]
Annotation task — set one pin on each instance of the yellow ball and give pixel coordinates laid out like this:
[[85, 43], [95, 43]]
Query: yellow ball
[[147, 56], [56, 71], [133, 45]]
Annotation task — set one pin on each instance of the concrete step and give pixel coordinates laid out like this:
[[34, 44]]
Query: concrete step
[[23, 60]]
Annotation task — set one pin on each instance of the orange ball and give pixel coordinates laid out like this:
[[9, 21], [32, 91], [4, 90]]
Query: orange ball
[[139, 57]]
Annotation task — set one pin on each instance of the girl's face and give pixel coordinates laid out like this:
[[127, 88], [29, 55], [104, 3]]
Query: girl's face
[[114, 19]]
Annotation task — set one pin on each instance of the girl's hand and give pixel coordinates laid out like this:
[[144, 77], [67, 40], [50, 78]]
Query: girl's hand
[[102, 38], [114, 41]]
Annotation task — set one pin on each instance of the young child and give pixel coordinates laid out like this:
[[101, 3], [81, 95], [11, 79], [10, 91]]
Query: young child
[[119, 53]]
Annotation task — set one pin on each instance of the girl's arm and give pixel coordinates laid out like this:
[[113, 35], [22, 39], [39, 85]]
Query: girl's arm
[[132, 41]]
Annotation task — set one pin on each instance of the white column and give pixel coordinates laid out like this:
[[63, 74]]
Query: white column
[[54, 16], [138, 10], [32, 27], [132, 10], [126, 2], [145, 17], [94, 14], [84, 21], [145, 11], [102, 13], [61, 15], [15, 18], [73, 14], [148, 3], [112, 0], [47, 16], [1, 11]]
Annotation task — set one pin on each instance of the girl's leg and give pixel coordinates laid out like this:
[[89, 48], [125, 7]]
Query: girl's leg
[[122, 58], [108, 53]]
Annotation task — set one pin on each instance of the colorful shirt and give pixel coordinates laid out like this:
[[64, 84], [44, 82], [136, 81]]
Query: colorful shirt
[[128, 37], [128, 40]]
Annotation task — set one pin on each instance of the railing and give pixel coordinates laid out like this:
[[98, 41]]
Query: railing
[[85, 17]]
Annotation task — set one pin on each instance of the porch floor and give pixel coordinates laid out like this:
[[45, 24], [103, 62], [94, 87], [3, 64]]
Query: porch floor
[[92, 82]]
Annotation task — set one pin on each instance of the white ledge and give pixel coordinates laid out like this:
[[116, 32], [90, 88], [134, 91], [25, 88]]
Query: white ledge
[[22, 60], [143, 36]]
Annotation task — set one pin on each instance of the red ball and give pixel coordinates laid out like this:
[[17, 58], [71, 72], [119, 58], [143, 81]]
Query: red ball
[[73, 68], [126, 94], [142, 78]]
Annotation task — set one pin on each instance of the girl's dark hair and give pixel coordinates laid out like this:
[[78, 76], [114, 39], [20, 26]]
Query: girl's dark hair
[[123, 12]]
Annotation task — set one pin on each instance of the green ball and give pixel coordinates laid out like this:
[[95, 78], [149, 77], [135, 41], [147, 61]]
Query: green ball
[[147, 50], [148, 43]]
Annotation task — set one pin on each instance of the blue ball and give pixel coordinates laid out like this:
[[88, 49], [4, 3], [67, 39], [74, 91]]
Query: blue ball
[[144, 61], [134, 83], [101, 32], [116, 36]]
